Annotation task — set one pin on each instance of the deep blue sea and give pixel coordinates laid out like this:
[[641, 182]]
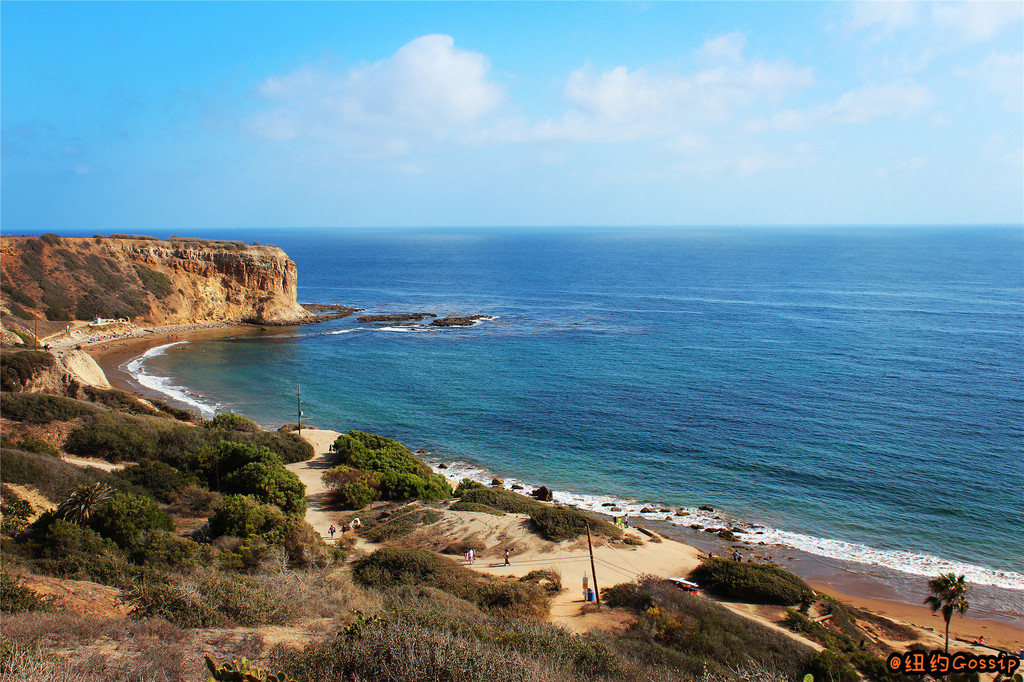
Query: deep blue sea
[[852, 392]]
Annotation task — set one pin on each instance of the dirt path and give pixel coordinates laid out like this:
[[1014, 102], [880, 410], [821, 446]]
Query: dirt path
[[309, 472]]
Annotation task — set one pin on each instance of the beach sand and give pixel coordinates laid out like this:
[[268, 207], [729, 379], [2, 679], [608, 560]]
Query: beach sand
[[670, 558]]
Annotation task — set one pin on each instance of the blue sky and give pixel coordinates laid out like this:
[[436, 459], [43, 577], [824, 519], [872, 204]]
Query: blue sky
[[135, 116]]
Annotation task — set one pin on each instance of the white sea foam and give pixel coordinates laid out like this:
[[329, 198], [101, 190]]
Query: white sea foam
[[136, 368], [346, 331], [906, 562]]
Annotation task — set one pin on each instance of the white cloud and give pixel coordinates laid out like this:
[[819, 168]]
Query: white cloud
[[622, 104], [892, 100], [1002, 74], [427, 90], [945, 24]]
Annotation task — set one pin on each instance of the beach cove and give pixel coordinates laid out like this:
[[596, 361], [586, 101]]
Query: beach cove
[[885, 596]]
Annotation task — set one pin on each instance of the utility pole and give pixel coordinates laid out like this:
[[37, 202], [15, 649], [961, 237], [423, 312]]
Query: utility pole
[[597, 595], [299, 396]]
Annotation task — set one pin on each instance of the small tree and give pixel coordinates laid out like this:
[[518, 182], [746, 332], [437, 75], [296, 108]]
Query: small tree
[[124, 518], [948, 594], [80, 505]]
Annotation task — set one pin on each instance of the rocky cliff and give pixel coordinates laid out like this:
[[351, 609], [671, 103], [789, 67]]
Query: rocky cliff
[[149, 281]]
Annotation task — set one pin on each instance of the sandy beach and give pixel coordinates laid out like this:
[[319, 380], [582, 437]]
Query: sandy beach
[[670, 558]]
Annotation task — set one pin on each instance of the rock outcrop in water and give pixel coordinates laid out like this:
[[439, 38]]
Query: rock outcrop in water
[[149, 281]]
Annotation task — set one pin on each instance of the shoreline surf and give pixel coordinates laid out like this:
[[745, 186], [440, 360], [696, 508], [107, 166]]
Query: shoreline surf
[[840, 572]]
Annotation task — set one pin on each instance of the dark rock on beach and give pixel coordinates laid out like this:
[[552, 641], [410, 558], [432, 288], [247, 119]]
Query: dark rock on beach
[[706, 508], [442, 465], [646, 510], [543, 494], [516, 486], [696, 526], [497, 482], [607, 504], [726, 534]]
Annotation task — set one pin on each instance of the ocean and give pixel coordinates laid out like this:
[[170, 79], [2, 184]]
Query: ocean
[[854, 393]]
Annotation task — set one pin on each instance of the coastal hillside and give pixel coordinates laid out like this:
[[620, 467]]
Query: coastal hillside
[[145, 281]]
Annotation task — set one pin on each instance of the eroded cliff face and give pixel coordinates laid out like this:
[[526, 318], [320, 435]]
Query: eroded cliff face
[[150, 281]]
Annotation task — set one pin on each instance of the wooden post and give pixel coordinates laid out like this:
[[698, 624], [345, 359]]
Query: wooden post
[[299, 396], [597, 595]]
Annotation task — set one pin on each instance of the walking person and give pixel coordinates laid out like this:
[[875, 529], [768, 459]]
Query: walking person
[[506, 558], [332, 530]]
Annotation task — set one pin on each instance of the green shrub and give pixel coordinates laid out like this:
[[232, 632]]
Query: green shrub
[[402, 475], [467, 484], [174, 412], [125, 518], [245, 517], [232, 422], [355, 495], [401, 525], [390, 567], [505, 500], [65, 550], [828, 665], [115, 438], [474, 507], [157, 282], [247, 469], [30, 443], [120, 401], [38, 408], [564, 523], [749, 582], [18, 368], [16, 513], [16, 598], [161, 480]]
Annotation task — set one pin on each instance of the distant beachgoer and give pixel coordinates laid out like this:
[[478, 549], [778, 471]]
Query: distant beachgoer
[[625, 520], [472, 556], [466, 556], [981, 640], [506, 558], [332, 531]]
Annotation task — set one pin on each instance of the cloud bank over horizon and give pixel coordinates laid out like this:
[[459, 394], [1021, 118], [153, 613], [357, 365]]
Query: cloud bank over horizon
[[875, 112]]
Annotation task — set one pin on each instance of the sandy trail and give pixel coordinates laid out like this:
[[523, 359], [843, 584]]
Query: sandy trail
[[309, 472]]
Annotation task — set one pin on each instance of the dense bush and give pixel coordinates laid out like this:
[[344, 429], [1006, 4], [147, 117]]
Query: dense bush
[[232, 422], [401, 474], [467, 484], [119, 437], [246, 517], [474, 507], [564, 523], [160, 480], [750, 582], [505, 500], [247, 469], [157, 282], [115, 438], [38, 408], [401, 525], [355, 495], [125, 518], [18, 368], [66, 550], [30, 443]]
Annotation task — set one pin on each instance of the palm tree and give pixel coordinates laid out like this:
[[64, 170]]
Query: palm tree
[[948, 593], [80, 504]]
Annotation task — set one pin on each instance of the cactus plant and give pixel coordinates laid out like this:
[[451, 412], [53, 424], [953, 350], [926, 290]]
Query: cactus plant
[[241, 671]]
